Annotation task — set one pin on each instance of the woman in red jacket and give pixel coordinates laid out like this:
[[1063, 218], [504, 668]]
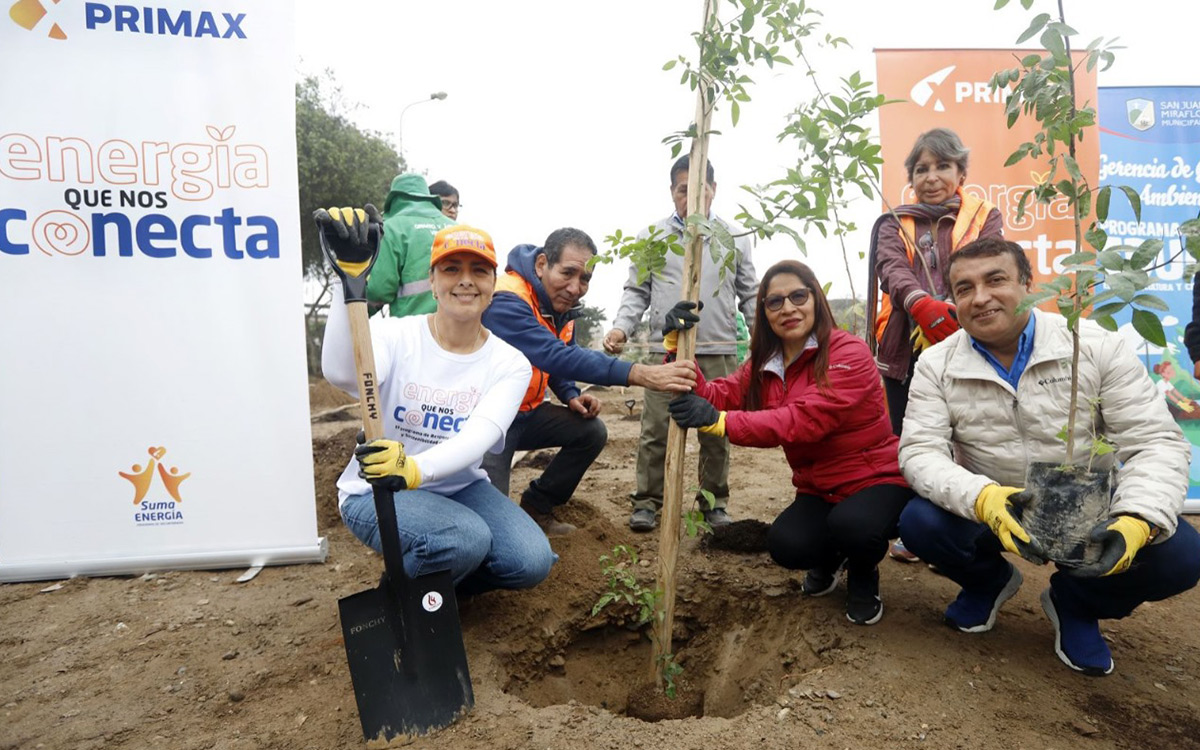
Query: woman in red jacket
[[813, 389]]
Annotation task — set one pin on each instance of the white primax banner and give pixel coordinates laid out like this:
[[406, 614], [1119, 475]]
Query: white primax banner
[[153, 398]]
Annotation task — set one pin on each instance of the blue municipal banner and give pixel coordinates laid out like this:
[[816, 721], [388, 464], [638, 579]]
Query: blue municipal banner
[[1150, 141]]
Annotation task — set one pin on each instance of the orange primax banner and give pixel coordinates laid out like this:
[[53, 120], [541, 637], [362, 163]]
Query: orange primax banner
[[947, 88]]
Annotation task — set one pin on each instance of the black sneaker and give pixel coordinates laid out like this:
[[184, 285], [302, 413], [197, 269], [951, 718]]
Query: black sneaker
[[717, 517], [820, 581], [863, 605], [642, 520]]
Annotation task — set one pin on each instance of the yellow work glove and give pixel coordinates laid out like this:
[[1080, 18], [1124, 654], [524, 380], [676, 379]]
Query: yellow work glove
[[919, 342], [718, 428], [994, 509], [1122, 537], [382, 463]]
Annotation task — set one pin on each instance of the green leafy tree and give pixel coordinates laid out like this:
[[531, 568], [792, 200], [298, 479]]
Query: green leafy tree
[[725, 51], [588, 326], [1043, 87], [338, 164], [837, 155], [837, 159]]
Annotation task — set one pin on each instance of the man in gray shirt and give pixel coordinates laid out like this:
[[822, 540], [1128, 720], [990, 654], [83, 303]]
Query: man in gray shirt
[[716, 348]]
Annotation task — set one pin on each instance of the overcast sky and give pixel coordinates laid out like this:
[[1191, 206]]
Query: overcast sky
[[556, 108]]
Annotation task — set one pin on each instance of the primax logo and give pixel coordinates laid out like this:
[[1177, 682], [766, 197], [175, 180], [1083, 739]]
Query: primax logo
[[922, 90], [130, 18], [27, 14], [974, 92]]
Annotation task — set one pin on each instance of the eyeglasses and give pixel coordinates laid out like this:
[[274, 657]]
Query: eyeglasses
[[798, 297], [446, 204]]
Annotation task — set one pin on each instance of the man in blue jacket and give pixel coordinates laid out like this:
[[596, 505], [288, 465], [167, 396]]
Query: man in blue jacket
[[534, 309]]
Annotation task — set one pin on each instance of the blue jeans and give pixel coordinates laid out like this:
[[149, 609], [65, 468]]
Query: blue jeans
[[478, 534], [970, 555]]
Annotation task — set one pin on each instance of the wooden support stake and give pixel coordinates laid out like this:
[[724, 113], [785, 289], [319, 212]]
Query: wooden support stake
[[668, 544]]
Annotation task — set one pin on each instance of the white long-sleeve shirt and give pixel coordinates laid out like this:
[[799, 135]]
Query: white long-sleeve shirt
[[446, 409]]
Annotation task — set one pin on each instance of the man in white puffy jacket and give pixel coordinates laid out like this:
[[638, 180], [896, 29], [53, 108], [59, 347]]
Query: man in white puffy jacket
[[993, 397]]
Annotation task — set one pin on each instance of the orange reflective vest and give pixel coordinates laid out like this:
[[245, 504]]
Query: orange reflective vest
[[516, 284], [972, 215]]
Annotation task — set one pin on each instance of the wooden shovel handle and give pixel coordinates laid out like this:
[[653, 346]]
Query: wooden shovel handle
[[364, 362], [368, 399]]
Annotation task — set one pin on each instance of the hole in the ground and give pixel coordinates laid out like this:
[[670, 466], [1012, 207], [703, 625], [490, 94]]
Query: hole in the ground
[[735, 655]]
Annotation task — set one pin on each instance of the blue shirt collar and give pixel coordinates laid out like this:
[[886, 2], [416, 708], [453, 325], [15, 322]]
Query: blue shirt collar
[[1024, 351]]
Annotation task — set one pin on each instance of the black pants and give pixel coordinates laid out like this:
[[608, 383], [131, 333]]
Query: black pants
[[549, 426], [812, 533], [897, 401]]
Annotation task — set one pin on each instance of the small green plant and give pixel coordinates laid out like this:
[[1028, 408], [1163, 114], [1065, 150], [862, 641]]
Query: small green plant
[[623, 585], [1100, 445], [670, 670], [693, 521]]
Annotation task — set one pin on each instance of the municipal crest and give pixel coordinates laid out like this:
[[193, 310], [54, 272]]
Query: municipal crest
[[1140, 112]]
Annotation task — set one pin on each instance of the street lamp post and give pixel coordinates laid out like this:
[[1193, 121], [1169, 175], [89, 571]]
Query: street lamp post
[[439, 95]]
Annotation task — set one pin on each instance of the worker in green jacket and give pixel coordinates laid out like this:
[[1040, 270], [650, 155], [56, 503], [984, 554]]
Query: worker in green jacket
[[400, 277]]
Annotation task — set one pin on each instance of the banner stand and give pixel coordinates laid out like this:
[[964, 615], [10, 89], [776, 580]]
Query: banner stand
[[114, 566]]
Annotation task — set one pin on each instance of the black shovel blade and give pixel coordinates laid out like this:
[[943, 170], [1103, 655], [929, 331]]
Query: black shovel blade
[[407, 659]]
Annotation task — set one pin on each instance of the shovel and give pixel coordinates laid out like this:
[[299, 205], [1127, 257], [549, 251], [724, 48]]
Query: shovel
[[403, 638]]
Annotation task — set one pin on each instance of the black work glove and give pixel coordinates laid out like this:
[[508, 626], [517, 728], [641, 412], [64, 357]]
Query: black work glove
[[689, 410], [350, 238], [679, 318]]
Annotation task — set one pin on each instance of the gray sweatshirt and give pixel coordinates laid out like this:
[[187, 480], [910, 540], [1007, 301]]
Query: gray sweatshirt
[[722, 298]]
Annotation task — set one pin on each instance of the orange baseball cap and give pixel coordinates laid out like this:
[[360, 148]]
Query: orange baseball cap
[[461, 238]]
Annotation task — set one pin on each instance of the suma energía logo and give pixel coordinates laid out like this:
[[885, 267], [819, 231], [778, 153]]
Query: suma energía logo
[[156, 512]]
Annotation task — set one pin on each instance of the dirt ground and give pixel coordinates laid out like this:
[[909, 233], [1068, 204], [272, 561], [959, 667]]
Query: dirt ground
[[196, 661]]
